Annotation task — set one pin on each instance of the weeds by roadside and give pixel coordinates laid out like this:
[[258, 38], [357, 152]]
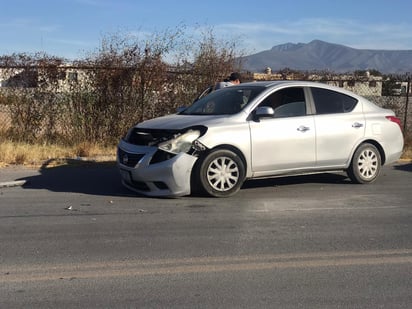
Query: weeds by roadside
[[407, 151], [12, 153]]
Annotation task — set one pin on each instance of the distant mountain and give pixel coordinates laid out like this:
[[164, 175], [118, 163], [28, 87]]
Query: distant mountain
[[319, 55]]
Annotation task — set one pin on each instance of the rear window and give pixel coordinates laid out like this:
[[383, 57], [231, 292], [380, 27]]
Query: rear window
[[332, 102]]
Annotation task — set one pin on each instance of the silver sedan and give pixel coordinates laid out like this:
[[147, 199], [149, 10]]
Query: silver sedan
[[259, 129]]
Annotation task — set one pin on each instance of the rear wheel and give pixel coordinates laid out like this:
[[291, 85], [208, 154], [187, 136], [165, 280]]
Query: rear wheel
[[366, 164], [221, 173]]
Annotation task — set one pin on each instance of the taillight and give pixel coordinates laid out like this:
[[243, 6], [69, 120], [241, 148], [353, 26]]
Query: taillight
[[394, 119]]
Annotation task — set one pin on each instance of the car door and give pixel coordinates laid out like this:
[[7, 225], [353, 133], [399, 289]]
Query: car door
[[284, 140], [340, 125]]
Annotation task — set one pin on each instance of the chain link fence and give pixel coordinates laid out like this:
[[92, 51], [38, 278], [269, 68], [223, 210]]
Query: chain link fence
[[73, 113]]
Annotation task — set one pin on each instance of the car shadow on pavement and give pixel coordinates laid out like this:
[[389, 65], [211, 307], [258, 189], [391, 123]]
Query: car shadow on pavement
[[321, 178], [97, 178], [103, 178], [404, 167]]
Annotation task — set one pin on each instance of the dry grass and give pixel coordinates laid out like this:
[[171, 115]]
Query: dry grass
[[407, 150], [27, 154], [407, 153]]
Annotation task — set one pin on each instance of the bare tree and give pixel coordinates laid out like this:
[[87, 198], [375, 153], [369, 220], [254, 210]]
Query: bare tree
[[126, 80], [215, 59], [126, 77]]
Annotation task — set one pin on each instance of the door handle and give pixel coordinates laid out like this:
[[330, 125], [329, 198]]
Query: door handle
[[303, 129], [357, 125]]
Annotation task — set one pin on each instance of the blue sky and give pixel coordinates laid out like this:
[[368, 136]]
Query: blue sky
[[73, 28]]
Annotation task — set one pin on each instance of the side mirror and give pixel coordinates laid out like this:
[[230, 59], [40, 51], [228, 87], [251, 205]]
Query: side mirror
[[264, 111]]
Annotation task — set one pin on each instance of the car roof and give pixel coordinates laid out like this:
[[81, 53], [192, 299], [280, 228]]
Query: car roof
[[270, 84], [298, 83]]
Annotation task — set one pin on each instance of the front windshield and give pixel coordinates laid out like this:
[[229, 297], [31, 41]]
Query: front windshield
[[226, 101]]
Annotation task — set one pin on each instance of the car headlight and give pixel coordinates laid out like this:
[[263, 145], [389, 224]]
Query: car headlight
[[181, 143]]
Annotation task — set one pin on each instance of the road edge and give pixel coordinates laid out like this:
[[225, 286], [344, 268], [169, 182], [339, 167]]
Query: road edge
[[15, 183]]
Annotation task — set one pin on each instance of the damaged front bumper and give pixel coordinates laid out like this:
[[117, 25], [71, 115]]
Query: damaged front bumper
[[153, 172]]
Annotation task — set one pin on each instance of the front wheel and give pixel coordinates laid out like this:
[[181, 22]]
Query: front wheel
[[221, 173], [366, 164]]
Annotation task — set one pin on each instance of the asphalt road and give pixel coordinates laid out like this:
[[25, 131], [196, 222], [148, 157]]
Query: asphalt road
[[73, 237]]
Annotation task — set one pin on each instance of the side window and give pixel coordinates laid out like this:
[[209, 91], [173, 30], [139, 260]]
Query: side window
[[332, 102], [289, 102], [292, 109]]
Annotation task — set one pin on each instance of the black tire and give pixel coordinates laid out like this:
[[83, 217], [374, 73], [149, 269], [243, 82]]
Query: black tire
[[365, 165], [220, 173]]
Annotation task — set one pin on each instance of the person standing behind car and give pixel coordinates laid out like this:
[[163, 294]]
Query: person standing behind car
[[233, 79]]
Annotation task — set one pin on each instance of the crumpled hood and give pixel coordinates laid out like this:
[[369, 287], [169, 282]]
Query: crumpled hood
[[178, 122]]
